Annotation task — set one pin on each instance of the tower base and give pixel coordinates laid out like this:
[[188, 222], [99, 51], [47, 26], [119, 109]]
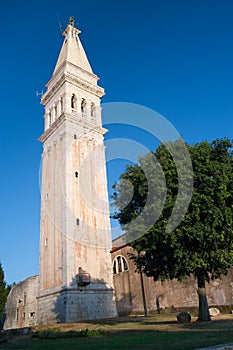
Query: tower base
[[74, 305]]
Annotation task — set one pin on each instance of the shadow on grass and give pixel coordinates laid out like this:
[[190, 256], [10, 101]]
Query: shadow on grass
[[165, 320], [138, 333], [140, 339]]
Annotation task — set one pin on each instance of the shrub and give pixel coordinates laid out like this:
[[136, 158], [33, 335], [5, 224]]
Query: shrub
[[57, 334]]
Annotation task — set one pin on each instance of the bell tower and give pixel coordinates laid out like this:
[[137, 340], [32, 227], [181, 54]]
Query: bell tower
[[76, 280]]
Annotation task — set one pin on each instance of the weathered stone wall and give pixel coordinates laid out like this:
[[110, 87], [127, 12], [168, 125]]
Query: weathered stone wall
[[26, 307], [72, 305], [169, 294], [21, 304]]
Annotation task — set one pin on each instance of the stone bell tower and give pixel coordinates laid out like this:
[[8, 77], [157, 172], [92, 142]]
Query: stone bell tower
[[75, 239]]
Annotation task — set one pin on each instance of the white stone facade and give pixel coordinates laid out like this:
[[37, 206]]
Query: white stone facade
[[75, 280], [75, 226]]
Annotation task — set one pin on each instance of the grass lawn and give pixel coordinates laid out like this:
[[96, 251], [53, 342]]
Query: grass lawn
[[154, 332]]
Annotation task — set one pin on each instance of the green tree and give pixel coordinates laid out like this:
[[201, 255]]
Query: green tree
[[202, 243], [4, 290]]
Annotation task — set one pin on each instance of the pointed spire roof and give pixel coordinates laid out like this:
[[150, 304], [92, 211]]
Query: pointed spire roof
[[72, 50]]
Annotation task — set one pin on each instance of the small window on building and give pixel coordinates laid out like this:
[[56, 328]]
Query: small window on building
[[72, 101], [75, 137], [32, 314], [17, 314], [24, 315], [46, 242], [61, 104], [76, 174], [120, 264], [77, 221], [24, 298], [46, 197]]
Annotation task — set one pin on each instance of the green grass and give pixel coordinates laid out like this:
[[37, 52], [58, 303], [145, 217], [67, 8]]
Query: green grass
[[158, 332]]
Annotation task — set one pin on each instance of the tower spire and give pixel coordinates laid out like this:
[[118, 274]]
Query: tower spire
[[72, 50]]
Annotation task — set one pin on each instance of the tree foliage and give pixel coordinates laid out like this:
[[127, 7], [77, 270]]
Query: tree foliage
[[4, 290], [202, 243]]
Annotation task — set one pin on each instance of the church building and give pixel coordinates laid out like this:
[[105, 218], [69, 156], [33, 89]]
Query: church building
[[83, 275]]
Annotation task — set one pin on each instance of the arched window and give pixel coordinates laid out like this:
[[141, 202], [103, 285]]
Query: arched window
[[120, 264], [73, 102], [83, 106], [114, 267]]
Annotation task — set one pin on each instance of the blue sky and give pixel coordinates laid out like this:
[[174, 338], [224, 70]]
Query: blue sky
[[174, 56]]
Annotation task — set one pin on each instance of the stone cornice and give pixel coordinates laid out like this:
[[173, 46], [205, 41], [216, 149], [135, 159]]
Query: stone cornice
[[72, 118], [66, 74], [68, 77], [63, 67], [52, 128], [93, 288]]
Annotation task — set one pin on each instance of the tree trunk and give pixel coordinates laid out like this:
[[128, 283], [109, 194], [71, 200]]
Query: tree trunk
[[203, 314], [143, 294]]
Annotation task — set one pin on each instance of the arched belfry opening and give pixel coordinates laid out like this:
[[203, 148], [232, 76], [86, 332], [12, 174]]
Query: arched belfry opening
[[83, 106], [73, 102]]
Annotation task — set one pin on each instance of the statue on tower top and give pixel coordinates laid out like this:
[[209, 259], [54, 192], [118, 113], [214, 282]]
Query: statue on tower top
[[71, 21]]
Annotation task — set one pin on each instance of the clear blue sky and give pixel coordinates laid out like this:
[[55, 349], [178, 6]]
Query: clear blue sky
[[174, 56]]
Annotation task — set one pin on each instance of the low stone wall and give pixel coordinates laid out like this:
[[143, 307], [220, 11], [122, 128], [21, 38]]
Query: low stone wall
[[21, 305]]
